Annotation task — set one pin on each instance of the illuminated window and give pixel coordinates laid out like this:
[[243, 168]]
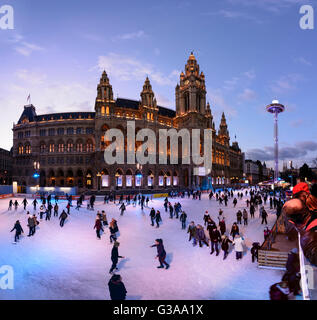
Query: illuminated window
[[79, 147], [42, 148], [70, 146], [27, 149], [20, 149], [61, 147], [51, 148]]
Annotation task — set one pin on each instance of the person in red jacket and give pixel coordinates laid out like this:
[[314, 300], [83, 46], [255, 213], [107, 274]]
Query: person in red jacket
[[305, 222], [98, 227]]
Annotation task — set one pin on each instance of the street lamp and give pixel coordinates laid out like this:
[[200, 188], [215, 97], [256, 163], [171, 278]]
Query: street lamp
[[275, 107]]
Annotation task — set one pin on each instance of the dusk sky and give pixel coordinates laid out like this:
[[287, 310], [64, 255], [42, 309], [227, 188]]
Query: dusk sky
[[251, 52]]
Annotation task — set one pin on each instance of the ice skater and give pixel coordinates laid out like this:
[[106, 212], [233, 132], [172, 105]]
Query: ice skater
[[225, 245], [183, 218], [24, 202], [158, 218], [18, 231], [117, 289], [122, 208], [115, 256], [152, 216], [10, 205], [161, 253], [238, 246], [62, 218], [98, 227]]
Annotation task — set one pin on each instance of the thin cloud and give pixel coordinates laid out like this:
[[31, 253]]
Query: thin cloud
[[286, 83], [23, 47], [126, 68], [131, 36], [303, 61], [247, 95], [298, 151]]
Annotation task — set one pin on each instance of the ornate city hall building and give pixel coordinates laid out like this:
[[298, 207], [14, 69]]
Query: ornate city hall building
[[67, 149]]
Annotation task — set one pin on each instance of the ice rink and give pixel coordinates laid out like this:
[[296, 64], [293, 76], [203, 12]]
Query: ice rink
[[70, 263]]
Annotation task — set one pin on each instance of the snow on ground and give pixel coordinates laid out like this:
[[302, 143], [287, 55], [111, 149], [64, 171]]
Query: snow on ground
[[70, 263]]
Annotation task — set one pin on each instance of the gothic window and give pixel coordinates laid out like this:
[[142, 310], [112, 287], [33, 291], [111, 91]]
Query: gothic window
[[60, 131], [27, 149], [20, 149], [70, 146], [51, 132], [51, 148], [61, 147]]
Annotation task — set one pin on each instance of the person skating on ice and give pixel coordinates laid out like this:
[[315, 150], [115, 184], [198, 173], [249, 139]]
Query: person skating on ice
[[234, 230], [34, 204], [98, 227], [201, 237], [192, 232], [183, 218], [104, 218], [31, 225], [206, 217], [16, 204], [62, 218], [10, 205], [122, 208], [117, 289], [158, 218], [56, 210], [215, 238], [152, 216], [225, 245], [113, 228], [115, 256], [238, 246], [245, 217], [18, 231], [24, 202], [161, 253]]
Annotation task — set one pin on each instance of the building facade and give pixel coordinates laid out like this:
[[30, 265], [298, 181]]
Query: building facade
[[67, 149], [256, 172], [5, 167]]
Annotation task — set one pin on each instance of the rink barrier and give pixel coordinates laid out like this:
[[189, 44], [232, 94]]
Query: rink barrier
[[5, 196], [272, 259], [37, 196]]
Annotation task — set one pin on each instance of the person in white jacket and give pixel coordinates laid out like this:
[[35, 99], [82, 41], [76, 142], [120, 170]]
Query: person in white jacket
[[238, 246]]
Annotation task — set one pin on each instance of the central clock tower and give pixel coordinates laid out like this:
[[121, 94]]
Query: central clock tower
[[190, 94]]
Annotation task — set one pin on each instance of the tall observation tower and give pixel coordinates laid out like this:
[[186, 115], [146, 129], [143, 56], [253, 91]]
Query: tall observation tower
[[275, 107]]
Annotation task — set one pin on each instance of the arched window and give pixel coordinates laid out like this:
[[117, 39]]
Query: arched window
[[70, 146], [89, 146], [27, 148], [51, 148], [42, 147], [79, 146], [61, 146], [20, 149]]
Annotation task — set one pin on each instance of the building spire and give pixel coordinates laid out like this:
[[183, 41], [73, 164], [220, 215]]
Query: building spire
[[147, 94]]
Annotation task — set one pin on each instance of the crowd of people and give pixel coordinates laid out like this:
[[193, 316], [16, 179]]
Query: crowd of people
[[216, 236]]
